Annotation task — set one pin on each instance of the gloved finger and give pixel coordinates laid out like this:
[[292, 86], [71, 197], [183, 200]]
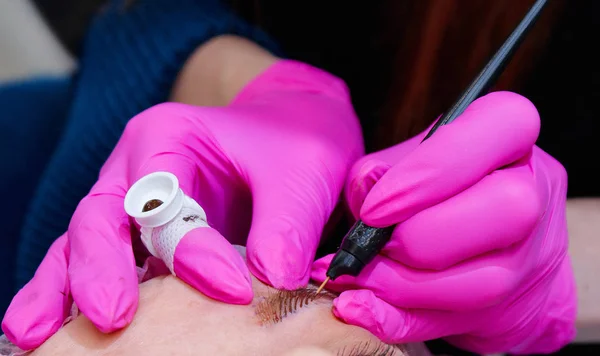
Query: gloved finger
[[182, 166], [394, 325], [171, 148], [289, 214], [498, 211], [496, 130], [461, 287], [208, 262], [102, 269], [41, 306], [393, 154], [209, 179], [363, 176], [369, 169]]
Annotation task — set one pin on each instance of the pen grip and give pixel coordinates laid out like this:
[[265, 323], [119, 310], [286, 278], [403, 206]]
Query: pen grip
[[364, 242]]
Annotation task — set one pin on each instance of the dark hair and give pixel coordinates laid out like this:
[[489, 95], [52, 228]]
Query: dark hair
[[404, 61], [69, 19]]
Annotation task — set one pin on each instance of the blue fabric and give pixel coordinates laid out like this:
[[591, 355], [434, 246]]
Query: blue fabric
[[32, 118], [129, 62]]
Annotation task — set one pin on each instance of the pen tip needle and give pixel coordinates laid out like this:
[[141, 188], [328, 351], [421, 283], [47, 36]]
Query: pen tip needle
[[322, 285]]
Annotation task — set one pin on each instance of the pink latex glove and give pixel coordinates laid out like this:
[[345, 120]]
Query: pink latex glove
[[480, 252], [268, 170]]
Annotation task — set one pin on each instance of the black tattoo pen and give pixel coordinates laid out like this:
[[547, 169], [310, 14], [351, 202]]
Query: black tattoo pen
[[362, 243]]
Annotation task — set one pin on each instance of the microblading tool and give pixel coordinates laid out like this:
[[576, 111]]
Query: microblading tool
[[362, 243]]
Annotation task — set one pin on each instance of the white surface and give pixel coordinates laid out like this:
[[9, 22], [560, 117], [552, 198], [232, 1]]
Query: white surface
[[165, 226], [27, 46], [163, 186]]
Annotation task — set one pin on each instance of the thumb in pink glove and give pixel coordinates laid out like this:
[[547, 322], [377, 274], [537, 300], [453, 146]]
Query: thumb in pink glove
[[479, 254], [268, 170]]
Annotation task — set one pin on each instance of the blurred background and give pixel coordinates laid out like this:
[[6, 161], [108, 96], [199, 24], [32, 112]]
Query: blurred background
[[27, 46], [404, 60]]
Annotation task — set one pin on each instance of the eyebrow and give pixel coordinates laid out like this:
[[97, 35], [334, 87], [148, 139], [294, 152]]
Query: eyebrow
[[278, 305], [373, 348], [282, 303]]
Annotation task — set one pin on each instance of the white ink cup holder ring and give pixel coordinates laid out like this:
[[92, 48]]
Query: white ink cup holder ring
[[163, 212]]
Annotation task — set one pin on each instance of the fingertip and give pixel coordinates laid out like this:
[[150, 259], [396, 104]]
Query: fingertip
[[385, 203], [518, 112], [118, 319], [32, 318], [362, 308], [325, 260], [217, 282], [380, 209], [110, 321], [239, 294], [504, 99], [107, 296], [340, 284], [362, 177], [28, 339], [283, 261], [222, 286], [209, 263], [523, 202], [278, 279], [39, 309]]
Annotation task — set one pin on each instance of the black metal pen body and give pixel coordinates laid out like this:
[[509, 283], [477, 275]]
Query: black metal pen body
[[358, 248], [364, 242]]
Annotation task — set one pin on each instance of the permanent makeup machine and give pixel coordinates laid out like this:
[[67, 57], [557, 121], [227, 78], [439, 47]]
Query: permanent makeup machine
[[363, 242]]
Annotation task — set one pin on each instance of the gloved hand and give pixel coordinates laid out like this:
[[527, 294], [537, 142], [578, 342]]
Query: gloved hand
[[268, 170], [479, 254]]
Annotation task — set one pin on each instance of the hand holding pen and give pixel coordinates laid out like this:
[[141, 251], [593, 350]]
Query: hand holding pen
[[464, 237], [479, 253]]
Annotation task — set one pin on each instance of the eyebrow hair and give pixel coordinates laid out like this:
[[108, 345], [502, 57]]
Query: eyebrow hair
[[373, 348], [280, 304], [277, 306]]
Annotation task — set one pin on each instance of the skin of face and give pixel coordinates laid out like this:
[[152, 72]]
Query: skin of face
[[174, 319]]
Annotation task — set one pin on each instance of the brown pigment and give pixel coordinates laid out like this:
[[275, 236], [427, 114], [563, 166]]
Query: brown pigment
[[151, 205]]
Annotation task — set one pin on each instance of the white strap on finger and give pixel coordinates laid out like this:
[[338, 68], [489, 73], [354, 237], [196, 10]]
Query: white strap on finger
[[164, 213]]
